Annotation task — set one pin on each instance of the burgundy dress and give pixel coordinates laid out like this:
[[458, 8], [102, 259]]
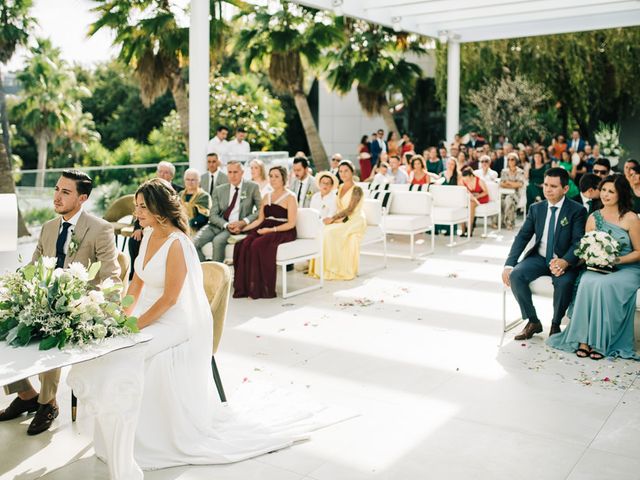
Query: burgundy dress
[[254, 258]]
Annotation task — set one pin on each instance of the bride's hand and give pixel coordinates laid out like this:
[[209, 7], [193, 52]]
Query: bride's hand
[[262, 231]]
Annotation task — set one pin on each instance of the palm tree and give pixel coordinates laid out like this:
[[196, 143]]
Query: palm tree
[[372, 59], [153, 42], [49, 93], [15, 25], [76, 136], [284, 42]]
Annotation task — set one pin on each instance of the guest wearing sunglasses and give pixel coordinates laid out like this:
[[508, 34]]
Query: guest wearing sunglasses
[[485, 172]]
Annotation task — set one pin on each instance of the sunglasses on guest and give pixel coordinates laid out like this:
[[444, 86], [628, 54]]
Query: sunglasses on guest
[[597, 171], [484, 161]]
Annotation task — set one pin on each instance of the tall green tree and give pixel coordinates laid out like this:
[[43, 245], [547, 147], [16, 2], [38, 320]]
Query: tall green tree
[[75, 136], [284, 43], [154, 39], [592, 76], [373, 59], [15, 26], [49, 97]]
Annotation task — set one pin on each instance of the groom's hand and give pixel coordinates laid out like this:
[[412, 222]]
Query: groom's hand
[[558, 266], [506, 276]]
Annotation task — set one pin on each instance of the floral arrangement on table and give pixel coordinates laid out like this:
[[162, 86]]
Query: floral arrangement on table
[[608, 138], [59, 307], [599, 250]]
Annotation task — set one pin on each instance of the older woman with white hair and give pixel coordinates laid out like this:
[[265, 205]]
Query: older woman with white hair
[[259, 176], [196, 201], [484, 172]]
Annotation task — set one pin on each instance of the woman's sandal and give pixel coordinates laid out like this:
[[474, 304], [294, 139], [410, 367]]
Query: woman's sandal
[[583, 353], [596, 356]]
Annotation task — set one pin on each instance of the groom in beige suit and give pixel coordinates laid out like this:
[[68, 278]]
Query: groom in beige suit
[[75, 236]]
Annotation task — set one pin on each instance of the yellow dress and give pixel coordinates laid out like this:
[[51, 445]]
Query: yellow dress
[[341, 240]]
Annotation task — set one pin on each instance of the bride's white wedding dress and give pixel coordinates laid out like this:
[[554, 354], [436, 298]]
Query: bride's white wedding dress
[[182, 420]]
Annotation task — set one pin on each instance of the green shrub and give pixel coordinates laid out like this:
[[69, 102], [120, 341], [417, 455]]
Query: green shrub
[[38, 216]]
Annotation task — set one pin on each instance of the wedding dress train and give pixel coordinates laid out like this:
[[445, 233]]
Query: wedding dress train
[[182, 420]]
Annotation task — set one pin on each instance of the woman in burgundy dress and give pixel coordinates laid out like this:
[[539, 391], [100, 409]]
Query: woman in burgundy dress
[[254, 258]]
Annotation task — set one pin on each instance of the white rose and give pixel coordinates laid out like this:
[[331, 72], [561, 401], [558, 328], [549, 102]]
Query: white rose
[[78, 271], [96, 296], [106, 284], [99, 331], [57, 273]]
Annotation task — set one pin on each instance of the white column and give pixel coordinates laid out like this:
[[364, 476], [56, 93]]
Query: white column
[[453, 88], [199, 84]]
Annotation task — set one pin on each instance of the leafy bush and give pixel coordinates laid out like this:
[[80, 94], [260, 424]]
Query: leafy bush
[[38, 216]]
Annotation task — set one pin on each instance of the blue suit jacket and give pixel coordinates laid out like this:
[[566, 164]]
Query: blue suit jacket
[[375, 149], [569, 230], [581, 144]]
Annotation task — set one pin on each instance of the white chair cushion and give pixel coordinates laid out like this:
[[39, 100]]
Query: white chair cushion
[[297, 248], [406, 223], [491, 208], [449, 195], [449, 214], [399, 187], [372, 209], [410, 203], [308, 224], [542, 286], [228, 251]]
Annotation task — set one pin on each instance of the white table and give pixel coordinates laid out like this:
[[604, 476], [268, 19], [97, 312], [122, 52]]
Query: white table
[[107, 379]]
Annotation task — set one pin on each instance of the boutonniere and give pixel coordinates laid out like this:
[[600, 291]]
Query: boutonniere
[[309, 194], [73, 245], [564, 222], [243, 196]]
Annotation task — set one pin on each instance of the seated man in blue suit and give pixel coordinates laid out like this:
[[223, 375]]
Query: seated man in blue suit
[[558, 225]]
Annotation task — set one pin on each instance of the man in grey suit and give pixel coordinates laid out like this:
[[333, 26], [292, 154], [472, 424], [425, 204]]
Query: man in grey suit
[[303, 183], [234, 205], [214, 176]]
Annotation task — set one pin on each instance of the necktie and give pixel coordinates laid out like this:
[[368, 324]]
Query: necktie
[[590, 206], [229, 209], [62, 239], [213, 180], [299, 192], [552, 235]]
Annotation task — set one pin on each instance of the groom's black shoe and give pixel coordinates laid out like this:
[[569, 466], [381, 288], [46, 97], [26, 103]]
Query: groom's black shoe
[[45, 416], [554, 329], [18, 407], [529, 331]]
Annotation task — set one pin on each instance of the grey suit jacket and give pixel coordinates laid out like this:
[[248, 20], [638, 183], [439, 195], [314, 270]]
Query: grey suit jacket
[[249, 198], [95, 241], [295, 185], [220, 180]]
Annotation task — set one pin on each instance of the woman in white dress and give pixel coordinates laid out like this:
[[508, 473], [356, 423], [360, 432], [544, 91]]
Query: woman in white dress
[[181, 420], [324, 200]]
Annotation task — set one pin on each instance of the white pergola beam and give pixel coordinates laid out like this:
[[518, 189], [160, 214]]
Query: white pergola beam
[[198, 84]]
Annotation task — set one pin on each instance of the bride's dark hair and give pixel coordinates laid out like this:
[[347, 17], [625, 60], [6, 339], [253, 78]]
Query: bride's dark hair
[[164, 203], [623, 189]]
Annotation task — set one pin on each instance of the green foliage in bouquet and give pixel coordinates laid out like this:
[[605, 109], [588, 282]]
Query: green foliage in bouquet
[[59, 307]]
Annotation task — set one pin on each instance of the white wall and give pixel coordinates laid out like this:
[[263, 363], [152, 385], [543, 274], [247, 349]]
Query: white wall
[[342, 122]]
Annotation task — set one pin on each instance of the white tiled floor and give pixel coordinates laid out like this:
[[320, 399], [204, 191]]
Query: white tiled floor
[[417, 351]]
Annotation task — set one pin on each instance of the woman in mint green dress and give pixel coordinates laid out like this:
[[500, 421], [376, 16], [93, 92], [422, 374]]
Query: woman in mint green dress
[[604, 307]]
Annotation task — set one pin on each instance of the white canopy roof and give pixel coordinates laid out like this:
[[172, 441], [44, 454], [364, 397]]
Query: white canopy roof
[[476, 20]]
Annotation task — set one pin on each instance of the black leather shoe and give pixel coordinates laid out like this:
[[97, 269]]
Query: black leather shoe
[[554, 329], [45, 416], [18, 407], [529, 330]]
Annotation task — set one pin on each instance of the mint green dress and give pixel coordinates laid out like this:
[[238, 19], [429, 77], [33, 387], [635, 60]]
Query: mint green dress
[[604, 306]]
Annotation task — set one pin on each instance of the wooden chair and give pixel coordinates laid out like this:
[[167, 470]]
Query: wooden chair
[[120, 210], [217, 286], [123, 261]]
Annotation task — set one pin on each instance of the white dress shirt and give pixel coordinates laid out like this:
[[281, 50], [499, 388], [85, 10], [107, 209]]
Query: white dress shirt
[[542, 249], [73, 221], [585, 201], [326, 205], [302, 188], [220, 147], [234, 216], [238, 150], [490, 176]]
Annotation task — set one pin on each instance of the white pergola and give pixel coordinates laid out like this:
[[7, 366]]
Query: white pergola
[[452, 21]]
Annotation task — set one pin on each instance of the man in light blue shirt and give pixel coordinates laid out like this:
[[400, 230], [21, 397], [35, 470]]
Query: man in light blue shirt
[[396, 174]]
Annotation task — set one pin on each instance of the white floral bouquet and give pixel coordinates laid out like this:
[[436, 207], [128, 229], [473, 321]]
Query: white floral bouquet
[[599, 250], [608, 138], [59, 307]]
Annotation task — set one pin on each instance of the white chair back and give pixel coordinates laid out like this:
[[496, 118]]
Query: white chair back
[[449, 196], [372, 209], [308, 223], [399, 187], [9, 222], [494, 191], [411, 203]]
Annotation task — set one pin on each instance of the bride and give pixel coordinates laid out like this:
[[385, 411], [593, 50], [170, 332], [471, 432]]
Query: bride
[[181, 420]]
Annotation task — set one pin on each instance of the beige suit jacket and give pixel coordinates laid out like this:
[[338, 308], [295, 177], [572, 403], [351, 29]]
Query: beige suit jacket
[[96, 243]]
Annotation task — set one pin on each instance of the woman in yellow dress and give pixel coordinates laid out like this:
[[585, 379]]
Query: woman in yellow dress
[[343, 231]]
